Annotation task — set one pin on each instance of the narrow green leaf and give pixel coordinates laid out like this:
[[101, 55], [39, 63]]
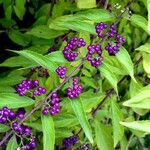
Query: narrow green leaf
[[38, 59], [140, 21], [12, 144], [19, 38], [140, 100], [103, 139], [143, 126], [81, 116], [117, 116], [86, 4], [95, 15], [20, 8], [144, 48], [146, 63], [12, 100], [124, 58], [109, 75], [148, 8], [3, 128], [43, 31], [48, 133], [57, 57]]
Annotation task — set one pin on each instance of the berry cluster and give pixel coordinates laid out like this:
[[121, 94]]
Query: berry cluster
[[85, 147], [76, 90], [33, 85], [54, 105], [25, 133], [6, 115], [41, 72], [113, 48], [61, 71], [69, 50], [100, 27], [112, 31], [92, 50], [69, 142]]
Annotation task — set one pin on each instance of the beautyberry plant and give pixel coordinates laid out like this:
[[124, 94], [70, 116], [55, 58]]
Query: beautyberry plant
[[79, 82]]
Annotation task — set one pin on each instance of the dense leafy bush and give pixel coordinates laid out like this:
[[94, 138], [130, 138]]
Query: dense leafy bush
[[75, 74]]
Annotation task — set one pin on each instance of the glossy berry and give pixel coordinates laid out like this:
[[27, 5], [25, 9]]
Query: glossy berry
[[69, 51], [61, 71], [69, 142], [74, 91], [20, 113], [99, 29], [94, 55], [32, 85]]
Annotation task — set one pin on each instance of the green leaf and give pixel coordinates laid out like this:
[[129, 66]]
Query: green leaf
[[148, 8], [86, 4], [106, 71], [95, 15], [144, 48], [103, 139], [72, 22], [43, 31], [48, 133], [19, 38], [12, 100], [82, 118], [3, 128], [124, 58], [143, 126], [117, 116], [38, 59], [12, 144], [16, 61], [20, 8], [146, 62], [57, 57], [140, 100], [140, 21]]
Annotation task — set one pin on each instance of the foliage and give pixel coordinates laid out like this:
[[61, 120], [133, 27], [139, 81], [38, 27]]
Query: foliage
[[115, 101]]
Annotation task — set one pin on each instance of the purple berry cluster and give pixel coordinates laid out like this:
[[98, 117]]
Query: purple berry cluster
[[113, 48], [85, 147], [6, 115], [92, 50], [25, 133], [76, 90], [32, 85], [54, 105], [112, 31], [61, 71], [69, 142], [9, 116], [41, 72], [100, 27], [69, 51]]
